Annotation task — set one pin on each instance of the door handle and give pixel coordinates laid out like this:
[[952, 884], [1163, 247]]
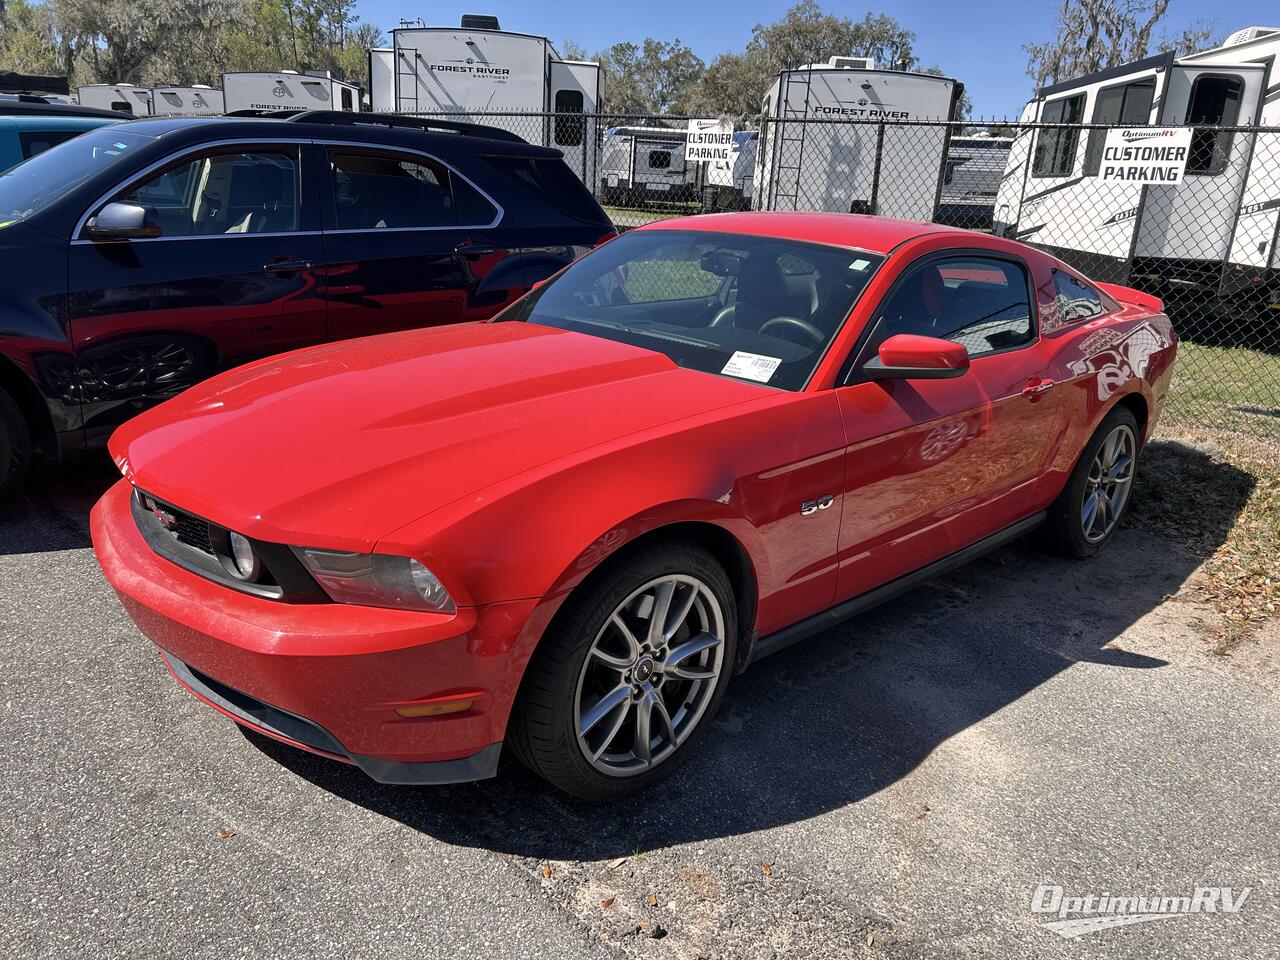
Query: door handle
[[474, 250], [1034, 390], [287, 266]]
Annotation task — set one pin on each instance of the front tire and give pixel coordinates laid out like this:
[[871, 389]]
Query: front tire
[[630, 675], [1088, 511], [15, 447]]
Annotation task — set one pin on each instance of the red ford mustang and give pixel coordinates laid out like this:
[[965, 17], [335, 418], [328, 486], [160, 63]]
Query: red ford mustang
[[566, 529]]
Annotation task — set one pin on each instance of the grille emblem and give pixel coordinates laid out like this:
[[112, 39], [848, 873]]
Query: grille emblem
[[167, 519]]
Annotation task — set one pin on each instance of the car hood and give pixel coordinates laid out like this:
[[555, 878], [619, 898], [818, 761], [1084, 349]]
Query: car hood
[[336, 446]]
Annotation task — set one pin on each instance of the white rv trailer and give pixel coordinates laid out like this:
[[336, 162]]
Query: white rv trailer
[[124, 97], [478, 68], [1217, 229], [891, 168], [647, 163], [975, 167], [728, 184], [199, 100], [288, 90], [382, 80]]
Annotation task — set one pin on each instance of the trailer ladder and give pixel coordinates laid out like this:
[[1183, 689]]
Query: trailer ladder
[[789, 112], [409, 55]]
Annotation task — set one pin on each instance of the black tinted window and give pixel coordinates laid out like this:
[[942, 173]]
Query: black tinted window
[[660, 159], [569, 130], [1128, 105], [33, 143], [1075, 299], [1056, 146], [377, 191], [1215, 101], [551, 180], [979, 302]]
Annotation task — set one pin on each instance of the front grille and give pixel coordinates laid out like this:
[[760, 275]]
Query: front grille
[[201, 547], [192, 531]]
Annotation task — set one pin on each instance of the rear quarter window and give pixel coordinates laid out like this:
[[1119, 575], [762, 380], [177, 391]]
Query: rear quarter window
[[553, 183]]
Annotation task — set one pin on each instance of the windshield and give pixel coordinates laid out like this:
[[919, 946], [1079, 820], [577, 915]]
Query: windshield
[[750, 307], [34, 184]]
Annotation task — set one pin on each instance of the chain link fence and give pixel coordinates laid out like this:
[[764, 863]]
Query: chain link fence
[[1206, 246]]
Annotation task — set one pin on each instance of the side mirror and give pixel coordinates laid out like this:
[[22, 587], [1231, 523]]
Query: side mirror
[[906, 356], [123, 221]]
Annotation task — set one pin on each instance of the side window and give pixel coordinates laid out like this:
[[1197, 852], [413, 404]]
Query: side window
[[1125, 105], [347, 102], [980, 302], [225, 193], [569, 129], [1056, 146], [659, 159], [1075, 299], [375, 191], [33, 143], [1215, 101]]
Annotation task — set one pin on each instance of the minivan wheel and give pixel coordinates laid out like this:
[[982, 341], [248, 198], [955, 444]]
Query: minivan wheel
[[15, 446], [1087, 513], [630, 678]]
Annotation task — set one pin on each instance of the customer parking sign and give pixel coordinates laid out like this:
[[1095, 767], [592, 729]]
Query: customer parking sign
[[1154, 155]]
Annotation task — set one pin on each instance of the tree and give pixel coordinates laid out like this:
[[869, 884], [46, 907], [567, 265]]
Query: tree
[[1091, 35], [735, 82], [655, 77], [28, 40]]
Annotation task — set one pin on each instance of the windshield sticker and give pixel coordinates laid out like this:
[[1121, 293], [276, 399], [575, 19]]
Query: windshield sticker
[[859, 265], [751, 366]]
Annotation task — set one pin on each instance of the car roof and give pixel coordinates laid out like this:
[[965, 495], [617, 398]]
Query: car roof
[[15, 107], [360, 126], [875, 234], [44, 123]]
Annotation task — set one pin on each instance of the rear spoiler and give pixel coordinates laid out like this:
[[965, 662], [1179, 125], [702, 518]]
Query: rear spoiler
[[1131, 296]]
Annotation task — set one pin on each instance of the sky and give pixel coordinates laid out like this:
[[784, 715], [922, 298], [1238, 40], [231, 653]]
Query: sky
[[979, 42]]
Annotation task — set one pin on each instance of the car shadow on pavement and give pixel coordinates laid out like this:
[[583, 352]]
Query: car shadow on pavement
[[51, 510], [847, 713]]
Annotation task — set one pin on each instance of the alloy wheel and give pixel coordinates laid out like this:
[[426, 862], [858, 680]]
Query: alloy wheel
[[649, 676], [1106, 491]]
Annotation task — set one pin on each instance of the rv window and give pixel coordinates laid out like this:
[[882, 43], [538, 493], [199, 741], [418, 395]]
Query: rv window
[[1056, 146], [1075, 299], [569, 130], [981, 303], [1215, 101], [1124, 105], [375, 191], [659, 159], [347, 103], [225, 193]]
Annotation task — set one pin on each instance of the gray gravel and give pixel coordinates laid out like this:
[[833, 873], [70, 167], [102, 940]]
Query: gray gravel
[[907, 779]]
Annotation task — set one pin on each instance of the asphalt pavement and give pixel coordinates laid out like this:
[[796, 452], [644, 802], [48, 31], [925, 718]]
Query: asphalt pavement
[[898, 786]]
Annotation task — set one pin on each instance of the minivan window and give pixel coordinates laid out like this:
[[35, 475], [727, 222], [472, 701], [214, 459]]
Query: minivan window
[[1215, 101], [34, 184], [374, 191], [223, 193], [1056, 146]]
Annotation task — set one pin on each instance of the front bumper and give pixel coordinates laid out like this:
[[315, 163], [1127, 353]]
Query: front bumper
[[325, 677]]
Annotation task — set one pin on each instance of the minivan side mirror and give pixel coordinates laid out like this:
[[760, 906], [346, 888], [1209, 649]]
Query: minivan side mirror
[[907, 356], [123, 221]]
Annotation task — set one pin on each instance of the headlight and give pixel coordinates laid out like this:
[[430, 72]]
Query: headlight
[[376, 580]]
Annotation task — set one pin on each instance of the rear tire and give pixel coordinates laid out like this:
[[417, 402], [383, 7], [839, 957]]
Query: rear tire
[[1088, 511], [15, 447], [606, 675]]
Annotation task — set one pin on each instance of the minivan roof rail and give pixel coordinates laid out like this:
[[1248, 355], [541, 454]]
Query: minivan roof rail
[[350, 119]]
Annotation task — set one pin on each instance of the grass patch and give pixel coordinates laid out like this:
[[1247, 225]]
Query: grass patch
[[1232, 388], [1218, 493]]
